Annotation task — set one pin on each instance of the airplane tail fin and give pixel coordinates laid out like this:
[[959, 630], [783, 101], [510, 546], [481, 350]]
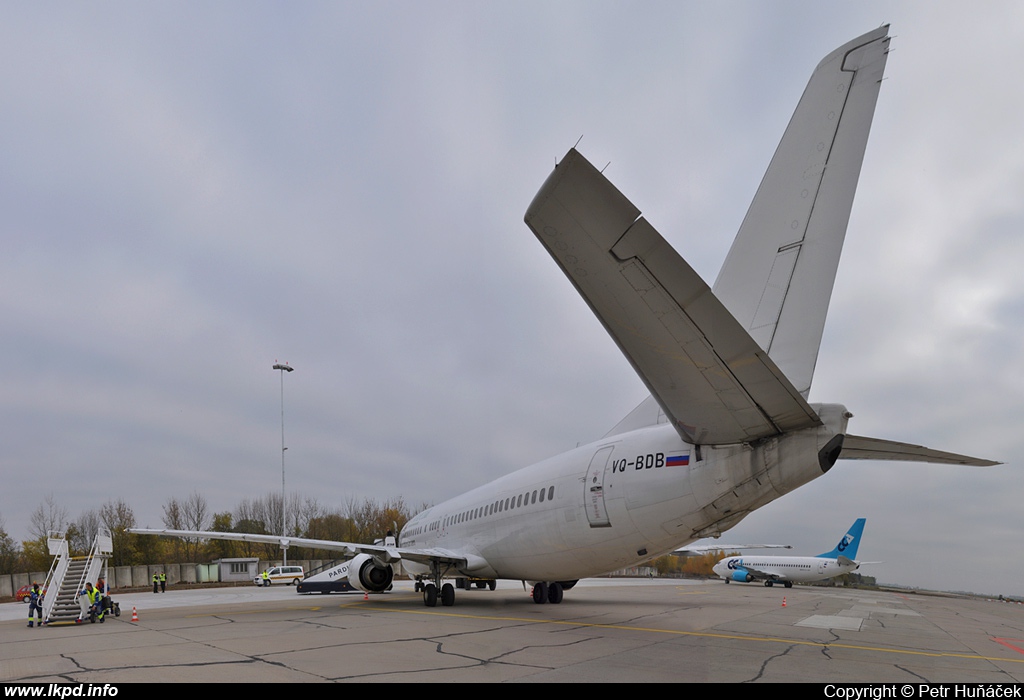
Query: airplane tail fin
[[777, 279], [850, 543]]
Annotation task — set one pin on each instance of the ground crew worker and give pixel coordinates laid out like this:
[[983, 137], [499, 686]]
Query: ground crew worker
[[163, 582], [35, 604], [156, 581], [101, 589], [266, 578], [95, 598]]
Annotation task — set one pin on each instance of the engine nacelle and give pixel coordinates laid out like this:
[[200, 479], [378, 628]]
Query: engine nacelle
[[369, 575], [742, 575]]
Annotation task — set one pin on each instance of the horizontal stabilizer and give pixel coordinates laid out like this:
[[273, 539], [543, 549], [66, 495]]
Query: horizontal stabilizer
[[713, 382], [857, 447]]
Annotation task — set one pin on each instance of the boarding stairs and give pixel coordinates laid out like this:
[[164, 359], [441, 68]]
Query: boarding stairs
[[68, 575]]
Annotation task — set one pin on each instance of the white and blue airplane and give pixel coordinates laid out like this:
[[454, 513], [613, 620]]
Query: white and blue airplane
[[787, 570], [727, 427]]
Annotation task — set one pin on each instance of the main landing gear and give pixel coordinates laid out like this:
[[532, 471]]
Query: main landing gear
[[544, 592], [430, 595], [431, 590]]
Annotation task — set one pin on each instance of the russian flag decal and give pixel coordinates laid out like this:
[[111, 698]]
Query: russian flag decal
[[681, 459]]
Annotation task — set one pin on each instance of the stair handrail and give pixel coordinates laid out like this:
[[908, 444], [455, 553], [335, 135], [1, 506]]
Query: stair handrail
[[55, 540], [102, 547]]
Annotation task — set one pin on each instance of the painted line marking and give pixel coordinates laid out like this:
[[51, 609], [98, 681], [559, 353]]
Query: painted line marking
[[1005, 641], [364, 605], [708, 635]]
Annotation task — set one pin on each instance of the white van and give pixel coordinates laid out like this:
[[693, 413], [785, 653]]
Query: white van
[[281, 574]]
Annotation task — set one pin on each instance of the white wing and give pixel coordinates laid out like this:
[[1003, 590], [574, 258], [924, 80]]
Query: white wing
[[383, 553]]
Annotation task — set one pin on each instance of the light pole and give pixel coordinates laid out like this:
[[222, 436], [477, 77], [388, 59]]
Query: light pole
[[284, 532]]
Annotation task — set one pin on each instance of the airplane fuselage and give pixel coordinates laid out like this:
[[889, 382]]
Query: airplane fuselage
[[794, 569], [617, 502]]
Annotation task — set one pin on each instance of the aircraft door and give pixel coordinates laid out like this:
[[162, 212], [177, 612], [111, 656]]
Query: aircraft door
[[593, 497]]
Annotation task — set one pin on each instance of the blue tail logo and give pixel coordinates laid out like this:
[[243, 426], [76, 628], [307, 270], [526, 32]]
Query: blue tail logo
[[848, 546]]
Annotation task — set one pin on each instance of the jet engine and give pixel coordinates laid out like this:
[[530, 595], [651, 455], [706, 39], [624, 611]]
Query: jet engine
[[369, 575], [742, 575]]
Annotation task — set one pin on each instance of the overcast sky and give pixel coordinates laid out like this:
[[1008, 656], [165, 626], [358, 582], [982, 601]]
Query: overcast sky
[[190, 192]]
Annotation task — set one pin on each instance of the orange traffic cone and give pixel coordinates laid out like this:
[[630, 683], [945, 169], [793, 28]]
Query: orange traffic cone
[[135, 614], [783, 601], [366, 595]]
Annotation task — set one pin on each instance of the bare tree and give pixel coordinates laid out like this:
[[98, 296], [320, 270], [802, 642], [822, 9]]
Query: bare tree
[[48, 517], [196, 512], [193, 513], [301, 511], [117, 516], [196, 515], [10, 555], [249, 518], [371, 520], [174, 519], [82, 531]]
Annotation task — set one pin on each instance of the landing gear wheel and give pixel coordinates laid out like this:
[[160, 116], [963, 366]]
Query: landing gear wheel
[[430, 595], [447, 595], [554, 593], [727, 580], [788, 584], [540, 592], [768, 584], [492, 584]]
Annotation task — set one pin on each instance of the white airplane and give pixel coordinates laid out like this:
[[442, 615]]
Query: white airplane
[[786, 570], [727, 428]]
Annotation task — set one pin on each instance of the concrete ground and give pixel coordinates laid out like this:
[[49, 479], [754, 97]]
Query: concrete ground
[[604, 631]]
